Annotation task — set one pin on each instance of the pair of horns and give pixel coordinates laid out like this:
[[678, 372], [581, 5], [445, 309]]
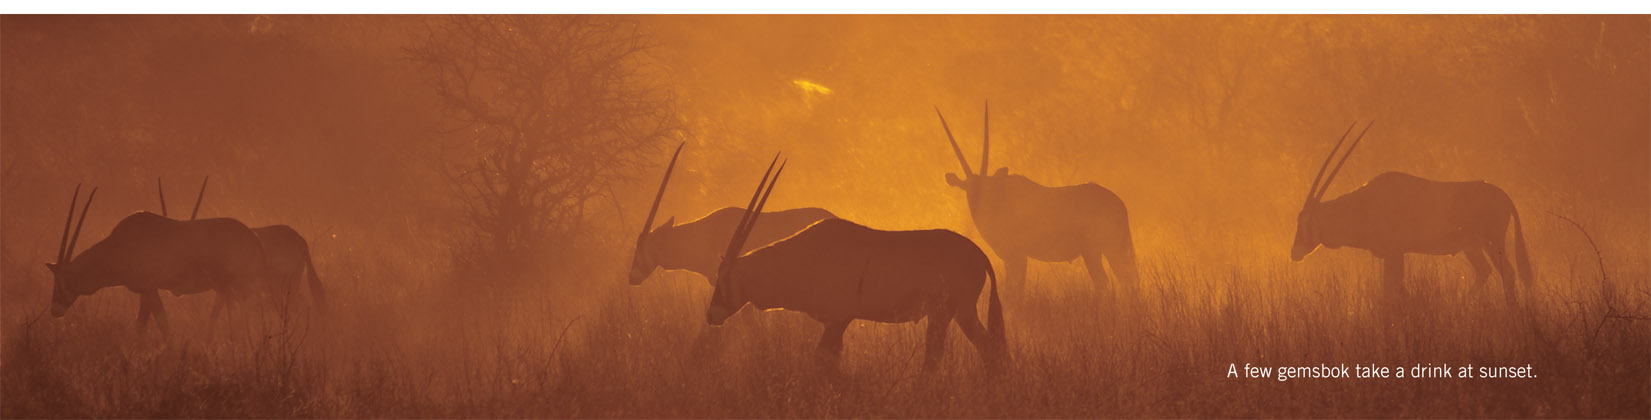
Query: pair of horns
[[754, 209], [66, 246], [1317, 190], [985, 145], [162, 189], [648, 224]]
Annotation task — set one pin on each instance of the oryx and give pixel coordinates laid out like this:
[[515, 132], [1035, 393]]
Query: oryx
[[1396, 214], [837, 271], [286, 258], [1022, 219], [147, 252], [693, 246]]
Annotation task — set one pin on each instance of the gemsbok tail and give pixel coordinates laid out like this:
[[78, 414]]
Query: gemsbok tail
[[1523, 256], [315, 284], [994, 318]]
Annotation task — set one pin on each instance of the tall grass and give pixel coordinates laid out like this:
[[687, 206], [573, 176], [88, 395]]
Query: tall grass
[[615, 351]]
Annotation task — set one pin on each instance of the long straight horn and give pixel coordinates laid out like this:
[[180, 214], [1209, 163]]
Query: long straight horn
[[162, 189], [751, 226], [198, 198], [955, 150], [986, 140], [734, 241], [1312, 190], [82, 223], [755, 213], [1332, 177], [63, 244], [649, 222]]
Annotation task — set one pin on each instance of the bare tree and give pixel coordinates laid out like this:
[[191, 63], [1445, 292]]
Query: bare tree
[[552, 110]]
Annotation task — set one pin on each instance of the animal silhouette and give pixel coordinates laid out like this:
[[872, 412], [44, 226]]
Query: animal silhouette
[[286, 258], [693, 246], [1021, 219], [837, 271], [1396, 214], [147, 252]]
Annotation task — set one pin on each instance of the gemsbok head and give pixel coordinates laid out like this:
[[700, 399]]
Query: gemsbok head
[[1396, 214], [837, 271], [1021, 219], [693, 245], [66, 277]]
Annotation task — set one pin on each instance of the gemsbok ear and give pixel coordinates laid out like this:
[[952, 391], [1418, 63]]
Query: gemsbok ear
[[671, 221], [952, 180], [51, 267], [1001, 171]]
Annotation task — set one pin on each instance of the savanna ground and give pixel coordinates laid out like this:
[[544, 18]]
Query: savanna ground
[[637, 352]]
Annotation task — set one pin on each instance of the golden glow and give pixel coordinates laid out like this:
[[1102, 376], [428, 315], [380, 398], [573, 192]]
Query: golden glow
[[1208, 128], [811, 88]]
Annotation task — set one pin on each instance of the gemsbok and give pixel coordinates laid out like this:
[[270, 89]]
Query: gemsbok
[[1022, 219], [837, 271], [1396, 214], [286, 258], [147, 252], [693, 246]]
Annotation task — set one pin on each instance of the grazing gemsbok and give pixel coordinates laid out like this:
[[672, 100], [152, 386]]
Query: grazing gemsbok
[[1396, 213], [286, 258], [1022, 219], [693, 246], [837, 271], [147, 252]]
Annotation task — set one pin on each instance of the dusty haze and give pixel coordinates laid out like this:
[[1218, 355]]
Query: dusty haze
[[1208, 127]]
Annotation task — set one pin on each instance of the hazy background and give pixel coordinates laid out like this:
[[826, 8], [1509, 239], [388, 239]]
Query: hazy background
[[1208, 127]]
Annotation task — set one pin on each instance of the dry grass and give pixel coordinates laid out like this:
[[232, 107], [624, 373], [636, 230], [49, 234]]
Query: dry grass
[[615, 351]]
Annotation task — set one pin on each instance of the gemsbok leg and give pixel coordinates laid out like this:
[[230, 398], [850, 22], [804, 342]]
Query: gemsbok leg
[[1498, 252], [1092, 259], [144, 309], [1481, 266], [1121, 257], [831, 343], [935, 341], [150, 305], [220, 303]]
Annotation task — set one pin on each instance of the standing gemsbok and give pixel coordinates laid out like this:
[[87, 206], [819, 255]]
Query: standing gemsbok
[[693, 246], [1022, 219], [286, 259], [1396, 214], [147, 253], [837, 271]]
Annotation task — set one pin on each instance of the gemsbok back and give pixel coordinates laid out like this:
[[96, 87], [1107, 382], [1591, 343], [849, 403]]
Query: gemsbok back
[[1396, 214], [1022, 219], [693, 246], [286, 259], [837, 271], [147, 252]]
